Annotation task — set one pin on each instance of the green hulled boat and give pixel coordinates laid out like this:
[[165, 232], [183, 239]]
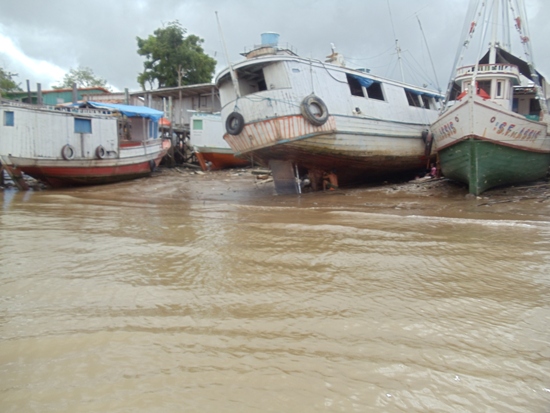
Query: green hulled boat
[[493, 129], [484, 164]]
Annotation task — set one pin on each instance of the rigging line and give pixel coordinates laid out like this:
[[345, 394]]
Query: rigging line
[[372, 57], [231, 70], [311, 75], [466, 35], [328, 71], [429, 54], [396, 44], [419, 70], [481, 46]]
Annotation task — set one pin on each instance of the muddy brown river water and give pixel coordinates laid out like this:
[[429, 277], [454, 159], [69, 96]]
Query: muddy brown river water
[[208, 293]]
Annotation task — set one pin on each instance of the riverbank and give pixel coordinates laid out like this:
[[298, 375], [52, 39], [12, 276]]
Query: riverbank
[[425, 196]]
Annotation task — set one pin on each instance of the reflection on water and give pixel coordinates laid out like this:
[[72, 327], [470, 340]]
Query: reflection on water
[[156, 296]]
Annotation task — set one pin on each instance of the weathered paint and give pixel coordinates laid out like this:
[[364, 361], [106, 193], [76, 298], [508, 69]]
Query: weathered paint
[[219, 160], [362, 133], [483, 164], [491, 134], [35, 141], [483, 145], [209, 144]]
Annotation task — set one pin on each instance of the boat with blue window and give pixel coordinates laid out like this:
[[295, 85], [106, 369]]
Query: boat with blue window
[[310, 117], [82, 144]]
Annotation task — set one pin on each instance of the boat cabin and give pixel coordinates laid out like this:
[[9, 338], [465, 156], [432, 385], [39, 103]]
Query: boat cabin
[[508, 82], [135, 124]]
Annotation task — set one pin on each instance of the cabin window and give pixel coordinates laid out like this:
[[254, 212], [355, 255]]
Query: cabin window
[[375, 91], [253, 79], [425, 101], [197, 124], [412, 98], [9, 119], [153, 129], [485, 86], [500, 89], [82, 125], [354, 86], [251, 82]]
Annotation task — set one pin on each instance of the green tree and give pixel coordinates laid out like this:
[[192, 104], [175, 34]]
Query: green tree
[[83, 77], [174, 59], [7, 84]]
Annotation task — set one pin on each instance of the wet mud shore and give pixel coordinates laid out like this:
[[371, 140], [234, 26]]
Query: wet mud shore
[[424, 196]]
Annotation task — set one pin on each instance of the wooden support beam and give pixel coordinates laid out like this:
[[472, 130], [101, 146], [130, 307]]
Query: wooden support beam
[[15, 174]]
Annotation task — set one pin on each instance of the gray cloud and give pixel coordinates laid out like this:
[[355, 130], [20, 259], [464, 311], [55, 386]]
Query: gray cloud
[[102, 34]]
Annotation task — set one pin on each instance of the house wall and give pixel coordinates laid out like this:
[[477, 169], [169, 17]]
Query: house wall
[[181, 117]]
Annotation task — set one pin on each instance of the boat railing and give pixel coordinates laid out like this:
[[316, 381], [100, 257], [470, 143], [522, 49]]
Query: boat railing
[[501, 68]]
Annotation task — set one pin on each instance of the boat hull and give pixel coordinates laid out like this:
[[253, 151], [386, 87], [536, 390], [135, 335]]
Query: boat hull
[[355, 149], [485, 164], [482, 145], [62, 173], [325, 118], [219, 158], [64, 146]]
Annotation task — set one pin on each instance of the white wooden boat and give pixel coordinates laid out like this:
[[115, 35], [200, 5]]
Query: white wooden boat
[[303, 116], [493, 129], [211, 150], [66, 146]]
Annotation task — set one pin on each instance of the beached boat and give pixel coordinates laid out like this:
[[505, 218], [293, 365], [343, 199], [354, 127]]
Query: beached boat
[[97, 143], [211, 150], [493, 129], [307, 117]]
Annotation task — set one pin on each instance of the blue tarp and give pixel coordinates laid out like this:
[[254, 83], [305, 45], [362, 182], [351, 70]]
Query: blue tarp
[[130, 111], [417, 92], [363, 81]]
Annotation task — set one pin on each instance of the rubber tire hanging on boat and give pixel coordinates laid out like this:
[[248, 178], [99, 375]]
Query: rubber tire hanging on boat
[[152, 165], [314, 110], [100, 152], [68, 152], [234, 123]]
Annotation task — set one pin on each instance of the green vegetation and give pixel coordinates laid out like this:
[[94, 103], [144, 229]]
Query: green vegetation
[[7, 84], [84, 77], [174, 59]]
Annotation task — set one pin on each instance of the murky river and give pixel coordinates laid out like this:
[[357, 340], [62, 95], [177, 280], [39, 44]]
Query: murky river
[[195, 294]]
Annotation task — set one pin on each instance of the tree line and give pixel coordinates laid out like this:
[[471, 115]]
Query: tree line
[[172, 58]]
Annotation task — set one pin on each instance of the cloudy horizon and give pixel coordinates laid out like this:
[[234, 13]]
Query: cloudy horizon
[[42, 41]]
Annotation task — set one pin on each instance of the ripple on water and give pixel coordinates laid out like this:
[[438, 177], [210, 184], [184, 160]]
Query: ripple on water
[[220, 307]]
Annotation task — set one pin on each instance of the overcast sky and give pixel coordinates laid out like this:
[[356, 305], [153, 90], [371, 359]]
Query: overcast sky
[[41, 40]]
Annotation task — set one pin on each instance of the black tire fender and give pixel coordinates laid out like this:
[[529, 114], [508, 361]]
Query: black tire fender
[[100, 152], [234, 123], [314, 110], [68, 152]]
